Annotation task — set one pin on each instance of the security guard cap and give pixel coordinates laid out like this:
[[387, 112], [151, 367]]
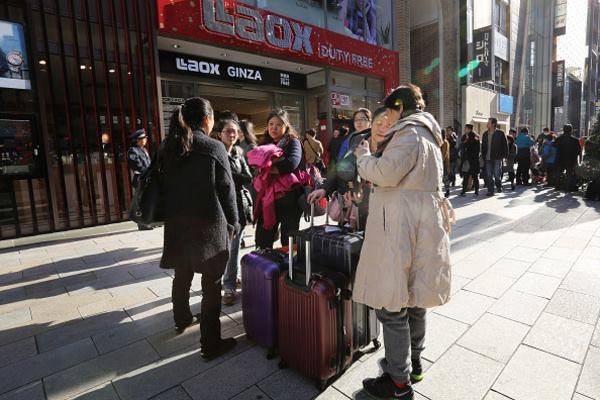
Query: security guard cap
[[139, 134]]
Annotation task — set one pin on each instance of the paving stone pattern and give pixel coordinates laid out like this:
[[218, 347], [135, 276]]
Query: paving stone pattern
[[87, 314]]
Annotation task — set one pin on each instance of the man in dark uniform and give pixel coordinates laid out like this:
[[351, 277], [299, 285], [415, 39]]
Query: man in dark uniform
[[139, 161]]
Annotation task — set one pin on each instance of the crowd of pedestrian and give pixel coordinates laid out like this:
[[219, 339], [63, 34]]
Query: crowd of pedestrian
[[518, 159], [389, 176]]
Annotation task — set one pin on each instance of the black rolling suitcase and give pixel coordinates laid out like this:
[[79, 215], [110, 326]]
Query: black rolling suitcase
[[338, 249]]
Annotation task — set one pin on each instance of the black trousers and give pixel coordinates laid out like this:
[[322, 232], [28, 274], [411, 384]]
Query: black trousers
[[550, 174], [523, 166], [475, 178], [210, 307], [570, 178], [288, 217]]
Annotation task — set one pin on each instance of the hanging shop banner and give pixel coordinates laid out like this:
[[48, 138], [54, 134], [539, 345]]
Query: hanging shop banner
[[175, 63], [231, 24], [558, 83], [482, 49]]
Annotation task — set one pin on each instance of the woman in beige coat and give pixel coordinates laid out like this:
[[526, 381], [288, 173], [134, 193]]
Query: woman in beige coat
[[404, 266]]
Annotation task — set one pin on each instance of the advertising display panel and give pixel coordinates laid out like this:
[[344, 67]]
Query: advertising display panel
[[482, 50], [14, 63], [18, 152]]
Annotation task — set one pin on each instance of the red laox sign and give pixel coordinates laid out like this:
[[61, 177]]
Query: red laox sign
[[225, 23]]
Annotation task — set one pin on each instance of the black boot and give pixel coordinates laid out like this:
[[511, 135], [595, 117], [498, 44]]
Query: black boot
[[223, 347]]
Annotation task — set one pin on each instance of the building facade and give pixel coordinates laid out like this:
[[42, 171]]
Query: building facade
[[426, 39], [338, 57], [560, 65], [78, 76]]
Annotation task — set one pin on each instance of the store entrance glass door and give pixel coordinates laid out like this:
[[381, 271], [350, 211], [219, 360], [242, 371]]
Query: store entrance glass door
[[294, 105], [254, 105]]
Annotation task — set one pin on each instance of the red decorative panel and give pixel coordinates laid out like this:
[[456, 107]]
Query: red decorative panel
[[231, 24]]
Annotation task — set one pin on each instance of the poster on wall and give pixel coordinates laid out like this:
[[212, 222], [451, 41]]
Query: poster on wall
[[366, 20], [311, 10], [482, 50], [14, 64]]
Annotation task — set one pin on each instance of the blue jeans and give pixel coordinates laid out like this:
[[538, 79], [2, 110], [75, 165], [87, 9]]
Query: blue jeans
[[493, 174], [231, 270]]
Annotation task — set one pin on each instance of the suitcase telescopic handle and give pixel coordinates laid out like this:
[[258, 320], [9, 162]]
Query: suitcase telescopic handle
[[290, 255], [312, 215], [326, 211], [307, 262]]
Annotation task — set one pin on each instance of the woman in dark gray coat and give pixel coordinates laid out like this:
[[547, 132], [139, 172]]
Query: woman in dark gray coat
[[200, 219]]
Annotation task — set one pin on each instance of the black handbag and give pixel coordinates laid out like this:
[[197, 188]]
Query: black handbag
[[147, 203]]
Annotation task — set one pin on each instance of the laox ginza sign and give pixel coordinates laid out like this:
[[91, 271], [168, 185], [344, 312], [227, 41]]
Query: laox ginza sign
[[248, 23]]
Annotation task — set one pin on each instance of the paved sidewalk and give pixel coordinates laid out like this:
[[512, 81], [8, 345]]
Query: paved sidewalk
[[90, 318]]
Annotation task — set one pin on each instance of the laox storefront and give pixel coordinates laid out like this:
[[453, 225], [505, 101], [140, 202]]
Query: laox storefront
[[319, 60], [77, 77]]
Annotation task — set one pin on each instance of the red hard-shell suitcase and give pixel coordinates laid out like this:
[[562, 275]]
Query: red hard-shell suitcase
[[315, 322], [338, 249]]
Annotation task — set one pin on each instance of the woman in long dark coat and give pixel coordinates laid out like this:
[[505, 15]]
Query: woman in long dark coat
[[470, 161], [200, 219]]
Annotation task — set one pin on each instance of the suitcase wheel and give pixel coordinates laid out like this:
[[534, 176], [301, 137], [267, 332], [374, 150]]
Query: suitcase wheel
[[271, 354], [322, 384], [282, 364], [376, 344]]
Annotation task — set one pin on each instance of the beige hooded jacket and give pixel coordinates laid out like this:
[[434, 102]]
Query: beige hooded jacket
[[405, 259]]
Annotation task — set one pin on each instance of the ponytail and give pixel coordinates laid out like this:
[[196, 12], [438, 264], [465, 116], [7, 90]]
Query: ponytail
[[186, 119]]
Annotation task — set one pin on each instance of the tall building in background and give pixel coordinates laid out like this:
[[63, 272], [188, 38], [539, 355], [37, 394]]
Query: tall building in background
[[535, 87], [487, 63], [570, 57], [559, 65], [591, 93]]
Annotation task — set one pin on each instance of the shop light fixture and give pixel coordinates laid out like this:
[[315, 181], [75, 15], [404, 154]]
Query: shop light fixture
[[224, 54], [300, 68], [42, 62], [176, 46], [82, 67], [112, 70]]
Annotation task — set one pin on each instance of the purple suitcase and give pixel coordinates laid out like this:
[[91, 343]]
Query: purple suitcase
[[260, 275]]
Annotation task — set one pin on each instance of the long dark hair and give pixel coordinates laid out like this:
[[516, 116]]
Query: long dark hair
[[223, 122], [289, 129], [409, 98], [249, 136], [184, 121]]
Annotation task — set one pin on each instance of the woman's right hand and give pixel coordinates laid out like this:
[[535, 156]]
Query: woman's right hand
[[316, 195]]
